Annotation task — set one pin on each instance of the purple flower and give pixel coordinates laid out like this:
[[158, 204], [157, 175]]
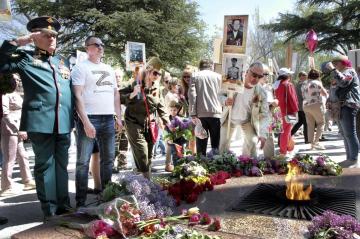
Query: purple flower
[[187, 124], [152, 201], [177, 121], [342, 226], [320, 161], [255, 171], [244, 159]]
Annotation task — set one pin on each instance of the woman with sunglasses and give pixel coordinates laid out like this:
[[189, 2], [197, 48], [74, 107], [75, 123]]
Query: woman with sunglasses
[[184, 97], [142, 102]]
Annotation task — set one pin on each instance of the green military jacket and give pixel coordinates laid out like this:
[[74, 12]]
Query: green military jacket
[[47, 89], [135, 108]]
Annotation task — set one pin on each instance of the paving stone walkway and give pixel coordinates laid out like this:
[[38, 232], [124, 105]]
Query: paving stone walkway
[[23, 210]]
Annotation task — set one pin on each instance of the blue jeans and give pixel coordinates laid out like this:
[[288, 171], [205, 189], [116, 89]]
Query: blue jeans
[[159, 144], [348, 128], [105, 137]]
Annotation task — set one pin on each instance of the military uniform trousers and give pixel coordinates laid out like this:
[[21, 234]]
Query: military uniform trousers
[[121, 147], [141, 146], [50, 171]]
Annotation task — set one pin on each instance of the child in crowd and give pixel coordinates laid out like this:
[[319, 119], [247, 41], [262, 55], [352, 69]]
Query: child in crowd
[[177, 145]]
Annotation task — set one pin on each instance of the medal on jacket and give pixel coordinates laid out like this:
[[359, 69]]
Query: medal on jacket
[[39, 63], [64, 71]]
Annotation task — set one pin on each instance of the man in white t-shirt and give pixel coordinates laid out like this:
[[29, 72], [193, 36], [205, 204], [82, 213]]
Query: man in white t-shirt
[[97, 100], [250, 110]]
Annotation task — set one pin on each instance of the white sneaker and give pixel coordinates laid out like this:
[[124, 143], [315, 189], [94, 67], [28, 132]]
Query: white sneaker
[[9, 192], [355, 164], [317, 146], [29, 185]]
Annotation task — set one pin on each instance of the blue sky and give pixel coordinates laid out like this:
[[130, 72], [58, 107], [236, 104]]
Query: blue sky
[[213, 11]]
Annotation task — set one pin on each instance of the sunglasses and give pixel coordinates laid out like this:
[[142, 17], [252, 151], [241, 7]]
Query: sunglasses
[[98, 45], [186, 77], [156, 73], [255, 75]]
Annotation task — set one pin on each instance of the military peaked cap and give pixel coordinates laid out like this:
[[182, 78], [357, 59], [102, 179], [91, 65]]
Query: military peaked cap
[[44, 23]]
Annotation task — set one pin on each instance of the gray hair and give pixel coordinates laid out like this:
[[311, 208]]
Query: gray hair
[[257, 64]]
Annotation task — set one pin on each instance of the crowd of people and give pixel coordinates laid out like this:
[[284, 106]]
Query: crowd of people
[[56, 98]]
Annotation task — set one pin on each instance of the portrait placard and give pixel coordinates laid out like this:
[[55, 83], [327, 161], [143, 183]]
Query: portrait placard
[[233, 71], [135, 55], [235, 32]]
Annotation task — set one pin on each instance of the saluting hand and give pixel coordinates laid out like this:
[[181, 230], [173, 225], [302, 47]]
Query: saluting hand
[[24, 40]]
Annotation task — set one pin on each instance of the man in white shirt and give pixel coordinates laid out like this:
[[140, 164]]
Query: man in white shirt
[[97, 100], [250, 110]]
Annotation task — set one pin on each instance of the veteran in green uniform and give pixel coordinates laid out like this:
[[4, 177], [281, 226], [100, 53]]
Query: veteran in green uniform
[[142, 102], [47, 108]]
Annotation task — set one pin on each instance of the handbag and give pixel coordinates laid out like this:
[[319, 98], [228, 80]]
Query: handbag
[[152, 125], [289, 118]]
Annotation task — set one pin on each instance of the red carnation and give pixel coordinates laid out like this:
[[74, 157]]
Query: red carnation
[[237, 173], [215, 226], [175, 190], [209, 186], [177, 201], [205, 219], [213, 179], [187, 186], [199, 189], [192, 198], [194, 219]]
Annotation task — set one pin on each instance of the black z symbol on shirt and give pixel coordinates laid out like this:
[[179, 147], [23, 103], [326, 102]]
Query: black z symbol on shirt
[[101, 81]]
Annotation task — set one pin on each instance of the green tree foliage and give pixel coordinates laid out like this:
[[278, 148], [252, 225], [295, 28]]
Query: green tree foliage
[[171, 28], [336, 23]]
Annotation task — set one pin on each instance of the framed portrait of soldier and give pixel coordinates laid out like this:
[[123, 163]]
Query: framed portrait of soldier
[[235, 32], [233, 68], [135, 55]]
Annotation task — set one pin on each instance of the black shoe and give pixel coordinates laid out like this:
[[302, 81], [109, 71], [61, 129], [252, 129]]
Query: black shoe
[[90, 191], [3, 220], [323, 139], [115, 170], [66, 210], [347, 163], [93, 191], [49, 217], [80, 204]]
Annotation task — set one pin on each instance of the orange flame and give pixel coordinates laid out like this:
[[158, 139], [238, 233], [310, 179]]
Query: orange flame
[[295, 190]]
